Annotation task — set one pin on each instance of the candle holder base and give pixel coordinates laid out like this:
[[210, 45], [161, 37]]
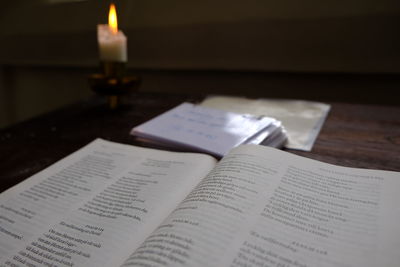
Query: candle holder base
[[113, 87]]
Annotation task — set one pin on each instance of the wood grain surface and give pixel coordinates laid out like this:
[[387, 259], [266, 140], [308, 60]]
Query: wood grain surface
[[364, 136]]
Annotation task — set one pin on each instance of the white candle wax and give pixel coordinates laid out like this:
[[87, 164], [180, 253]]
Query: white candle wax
[[112, 46]]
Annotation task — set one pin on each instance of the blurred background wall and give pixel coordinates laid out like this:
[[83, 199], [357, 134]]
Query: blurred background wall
[[322, 50]]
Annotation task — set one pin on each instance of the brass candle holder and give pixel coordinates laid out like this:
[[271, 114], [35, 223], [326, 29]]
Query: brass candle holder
[[113, 82]]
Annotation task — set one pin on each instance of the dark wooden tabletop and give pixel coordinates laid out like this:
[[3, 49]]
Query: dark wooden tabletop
[[364, 136]]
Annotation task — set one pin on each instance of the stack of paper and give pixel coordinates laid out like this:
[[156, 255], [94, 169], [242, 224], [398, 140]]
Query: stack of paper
[[209, 130], [303, 120]]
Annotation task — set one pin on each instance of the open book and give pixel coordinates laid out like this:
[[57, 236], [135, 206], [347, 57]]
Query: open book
[[110, 204], [208, 130]]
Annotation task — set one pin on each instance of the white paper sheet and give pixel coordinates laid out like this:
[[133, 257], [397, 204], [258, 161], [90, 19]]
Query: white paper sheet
[[301, 119]]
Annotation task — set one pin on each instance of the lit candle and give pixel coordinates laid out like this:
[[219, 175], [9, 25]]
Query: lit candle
[[112, 42]]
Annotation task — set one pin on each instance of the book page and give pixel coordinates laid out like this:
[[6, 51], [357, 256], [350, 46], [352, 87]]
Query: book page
[[265, 207], [206, 130], [95, 206]]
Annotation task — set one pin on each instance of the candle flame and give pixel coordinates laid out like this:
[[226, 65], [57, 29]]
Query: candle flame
[[112, 19]]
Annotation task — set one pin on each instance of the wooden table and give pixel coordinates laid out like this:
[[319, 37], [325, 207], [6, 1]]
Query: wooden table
[[362, 136]]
